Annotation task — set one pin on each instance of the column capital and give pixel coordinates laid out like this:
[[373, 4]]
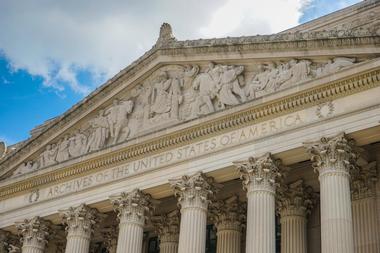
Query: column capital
[[194, 191], [228, 214], [363, 183], [295, 199], [167, 226], [133, 207], [262, 173], [35, 232], [80, 220], [337, 154]]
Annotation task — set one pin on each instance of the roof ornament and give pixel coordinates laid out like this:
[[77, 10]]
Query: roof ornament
[[166, 35]]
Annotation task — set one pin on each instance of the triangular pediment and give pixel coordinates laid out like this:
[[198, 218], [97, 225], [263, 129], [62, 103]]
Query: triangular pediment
[[179, 82]]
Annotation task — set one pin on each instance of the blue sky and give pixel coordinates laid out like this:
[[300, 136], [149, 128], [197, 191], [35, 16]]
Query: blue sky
[[53, 53]]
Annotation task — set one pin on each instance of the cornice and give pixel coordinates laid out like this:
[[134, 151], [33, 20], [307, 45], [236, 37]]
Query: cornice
[[253, 115]]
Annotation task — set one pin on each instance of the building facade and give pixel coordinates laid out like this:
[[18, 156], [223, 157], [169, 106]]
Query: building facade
[[261, 144]]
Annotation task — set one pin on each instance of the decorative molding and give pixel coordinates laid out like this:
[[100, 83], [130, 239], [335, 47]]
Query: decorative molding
[[134, 207], [262, 173], [295, 199], [337, 154], [255, 114], [194, 191], [167, 226]]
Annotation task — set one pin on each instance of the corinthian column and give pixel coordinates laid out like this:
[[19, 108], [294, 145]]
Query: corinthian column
[[79, 226], [366, 229], [228, 216], [261, 177], [194, 193], [35, 233], [334, 158], [167, 227], [133, 210], [294, 204]]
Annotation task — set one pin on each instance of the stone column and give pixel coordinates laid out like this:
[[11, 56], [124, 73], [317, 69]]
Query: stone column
[[194, 194], [294, 204], [35, 233], [167, 227], [334, 158], [228, 216], [365, 220], [261, 177], [133, 208], [79, 223]]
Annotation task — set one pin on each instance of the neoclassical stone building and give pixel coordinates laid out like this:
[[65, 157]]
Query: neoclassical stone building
[[257, 144]]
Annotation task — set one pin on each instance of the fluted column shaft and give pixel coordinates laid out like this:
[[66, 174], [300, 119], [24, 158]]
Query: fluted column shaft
[[133, 209], [192, 237], [194, 194], [261, 234], [260, 178], [229, 239], [366, 230], [130, 237], [168, 247], [79, 221], [293, 231], [334, 158]]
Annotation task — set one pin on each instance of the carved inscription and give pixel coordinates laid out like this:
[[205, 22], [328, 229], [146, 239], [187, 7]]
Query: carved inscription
[[194, 150]]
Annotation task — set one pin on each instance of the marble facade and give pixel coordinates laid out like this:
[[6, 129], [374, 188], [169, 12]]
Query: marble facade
[[268, 143]]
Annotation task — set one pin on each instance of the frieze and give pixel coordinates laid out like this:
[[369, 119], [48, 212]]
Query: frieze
[[175, 94], [254, 114]]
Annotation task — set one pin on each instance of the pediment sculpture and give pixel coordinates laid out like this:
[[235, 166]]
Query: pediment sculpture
[[174, 94]]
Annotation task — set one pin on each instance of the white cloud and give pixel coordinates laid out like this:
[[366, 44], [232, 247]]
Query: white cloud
[[58, 39]]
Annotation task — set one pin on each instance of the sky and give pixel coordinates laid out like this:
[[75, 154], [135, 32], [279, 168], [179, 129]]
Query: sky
[[55, 52]]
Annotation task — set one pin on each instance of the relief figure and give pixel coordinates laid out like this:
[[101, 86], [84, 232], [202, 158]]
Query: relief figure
[[63, 149], [117, 117], [77, 144], [47, 157], [99, 134]]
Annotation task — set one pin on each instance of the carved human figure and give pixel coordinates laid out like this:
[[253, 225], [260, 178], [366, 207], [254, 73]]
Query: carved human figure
[[161, 97], [100, 132], [63, 149], [230, 87], [260, 81], [334, 65], [47, 157], [207, 84], [26, 167], [77, 144], [117, 117]]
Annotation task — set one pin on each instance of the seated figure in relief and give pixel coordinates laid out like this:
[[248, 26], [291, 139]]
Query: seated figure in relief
[[99, 132], [334, 65], [117, 117], [77, 144], [47, 157]]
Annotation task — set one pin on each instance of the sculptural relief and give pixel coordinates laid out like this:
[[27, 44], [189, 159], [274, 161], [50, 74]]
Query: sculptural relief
[[117, 117], [63, 149], [334, 65], [48, 156], [175, 93], [100, 132], [77, 144]]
